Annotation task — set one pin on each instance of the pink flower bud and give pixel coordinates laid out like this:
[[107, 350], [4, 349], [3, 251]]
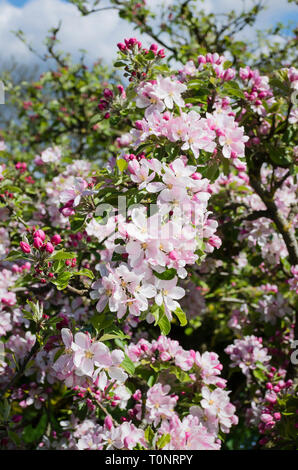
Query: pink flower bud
[[15, 268], [103, 104], [108, 93], [25, 247], [56, 239], [229, 74], [121, 91], [38, 242], [121, 46], [40, 233], [161, 53], [108, 422], [173, 255], [49, 247], [266, 418], [271, 397], [154, 48]]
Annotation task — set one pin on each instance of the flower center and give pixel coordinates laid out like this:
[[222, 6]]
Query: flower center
[[89, 354]]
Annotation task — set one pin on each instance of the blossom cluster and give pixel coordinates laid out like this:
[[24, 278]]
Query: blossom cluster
[[246, 353]]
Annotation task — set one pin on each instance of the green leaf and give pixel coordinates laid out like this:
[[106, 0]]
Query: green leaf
[[161, 319], [181, 316], [166, 275], [149, 435], [179, 374], [119, 64], [62, 280], [95, 119], [24, 280], [14, 437], [58, 266], [84, 272], [61, 254], [76, 224], [102, 321], [128, 365], [31, 434], [14, 255], [194, 84], [211, 172], [258, 374], [233, 89], [152, 380], [121, 164], [150, 55], [163, 440], [115, 333]]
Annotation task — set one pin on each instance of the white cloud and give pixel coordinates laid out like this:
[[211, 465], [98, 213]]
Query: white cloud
[[97, 33]]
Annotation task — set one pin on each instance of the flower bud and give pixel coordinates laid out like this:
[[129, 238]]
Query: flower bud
[[49, 247], [38, 242], [25, 247], [173, 255], [154, 48], [40, 233], [56, 239], [121, 46], [108, 422]]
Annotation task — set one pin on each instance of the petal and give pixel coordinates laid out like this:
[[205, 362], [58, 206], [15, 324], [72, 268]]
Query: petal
[[177, 293], [66, 337], [82, 340], [116, 373], [159, 299], [117, 356], [102, 380], [87, 366]]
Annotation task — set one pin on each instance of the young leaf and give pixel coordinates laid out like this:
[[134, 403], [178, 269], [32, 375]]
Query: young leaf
[[128, 365]]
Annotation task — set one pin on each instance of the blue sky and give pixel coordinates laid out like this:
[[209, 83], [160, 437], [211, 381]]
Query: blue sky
[[98, 34]]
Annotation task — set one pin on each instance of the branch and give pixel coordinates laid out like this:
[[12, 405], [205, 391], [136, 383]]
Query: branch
[[276, 216], [257, 215], [77, 291], [287, 233]]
